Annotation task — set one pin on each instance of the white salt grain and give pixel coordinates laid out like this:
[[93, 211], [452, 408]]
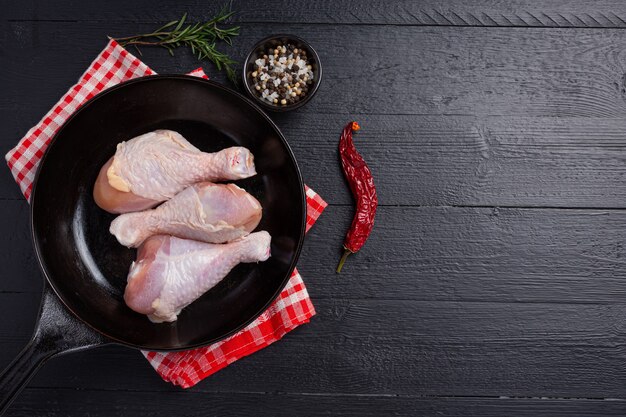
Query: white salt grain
[[278, 73]]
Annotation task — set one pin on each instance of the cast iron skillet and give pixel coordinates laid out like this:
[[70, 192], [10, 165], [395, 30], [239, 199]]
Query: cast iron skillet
[[85, 267]]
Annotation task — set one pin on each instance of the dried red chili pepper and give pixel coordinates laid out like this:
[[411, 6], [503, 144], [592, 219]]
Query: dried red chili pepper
[[361, 183]]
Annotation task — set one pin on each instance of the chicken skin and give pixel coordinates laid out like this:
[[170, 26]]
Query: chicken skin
[[170, 273], [207, 212], [156, 166]]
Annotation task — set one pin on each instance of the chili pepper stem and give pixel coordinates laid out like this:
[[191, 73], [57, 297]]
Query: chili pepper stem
[[343, 259]]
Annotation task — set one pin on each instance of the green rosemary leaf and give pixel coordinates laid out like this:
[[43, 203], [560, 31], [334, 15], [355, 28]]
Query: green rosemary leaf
[[200, 37], [167, 25], [180, 22]]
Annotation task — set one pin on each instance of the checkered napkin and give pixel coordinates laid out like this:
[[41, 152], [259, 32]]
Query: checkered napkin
[[292, 307]]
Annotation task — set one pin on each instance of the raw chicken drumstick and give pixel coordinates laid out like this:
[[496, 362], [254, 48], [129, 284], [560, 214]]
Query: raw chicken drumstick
[[154, 167], [171, 273], [214, 213]]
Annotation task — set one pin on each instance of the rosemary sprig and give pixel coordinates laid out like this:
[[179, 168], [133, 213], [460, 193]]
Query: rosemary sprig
[[202, 38]]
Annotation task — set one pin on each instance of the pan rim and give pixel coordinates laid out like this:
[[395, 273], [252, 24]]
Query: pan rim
[[213, 84]]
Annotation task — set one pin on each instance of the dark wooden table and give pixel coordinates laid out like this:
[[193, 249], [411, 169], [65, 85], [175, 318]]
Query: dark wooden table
[[492, 284]]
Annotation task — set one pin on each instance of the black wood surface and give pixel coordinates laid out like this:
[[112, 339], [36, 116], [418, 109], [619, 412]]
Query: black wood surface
[[492, 284]]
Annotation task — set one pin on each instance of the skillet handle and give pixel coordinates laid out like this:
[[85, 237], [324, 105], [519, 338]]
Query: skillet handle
[[57, 331]]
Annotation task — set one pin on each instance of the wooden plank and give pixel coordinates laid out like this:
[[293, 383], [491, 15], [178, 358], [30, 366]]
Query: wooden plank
[[140, 403], [500, 255], [423, 253], [431, 161], [17, 331], [442, 71], [391, 347], [495, 161], [519, 13], [20, 270], [500, 302], [478, 136]]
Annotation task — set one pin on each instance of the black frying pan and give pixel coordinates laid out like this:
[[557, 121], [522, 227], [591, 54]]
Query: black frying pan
[[85, 267]]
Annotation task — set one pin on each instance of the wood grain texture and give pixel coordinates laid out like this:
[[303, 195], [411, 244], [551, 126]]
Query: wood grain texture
[[470, 254], [20, 270], [436, 254], [390, 347], [470, 161], [485, 13], [457, 161], [441, 71], [490, 118], [119, 403], [493, 278]]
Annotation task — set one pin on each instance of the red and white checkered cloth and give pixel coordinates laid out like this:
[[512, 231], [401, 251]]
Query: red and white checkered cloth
[[293, 306]]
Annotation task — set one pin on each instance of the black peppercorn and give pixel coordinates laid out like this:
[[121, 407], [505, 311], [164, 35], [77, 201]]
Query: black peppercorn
[[292, 86]]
